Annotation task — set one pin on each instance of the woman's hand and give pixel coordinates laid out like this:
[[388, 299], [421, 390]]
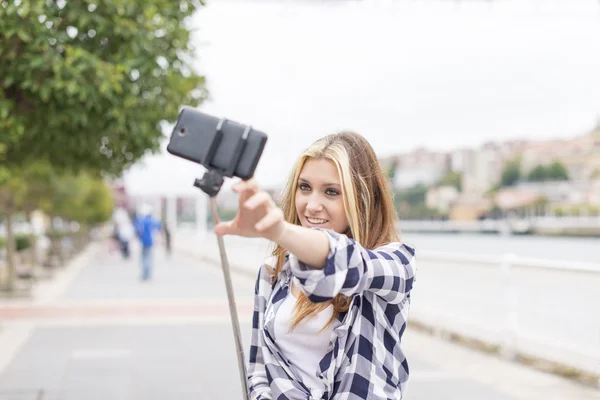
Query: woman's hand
[[257, 215]]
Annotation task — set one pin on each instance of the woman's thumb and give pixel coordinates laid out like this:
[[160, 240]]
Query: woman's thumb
[[224, 228]]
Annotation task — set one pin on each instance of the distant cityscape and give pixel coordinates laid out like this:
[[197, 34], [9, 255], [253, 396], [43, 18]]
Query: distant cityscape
[[550, 177]]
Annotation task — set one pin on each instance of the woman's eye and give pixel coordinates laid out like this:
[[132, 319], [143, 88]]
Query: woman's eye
[[332, 192], [304, 186]]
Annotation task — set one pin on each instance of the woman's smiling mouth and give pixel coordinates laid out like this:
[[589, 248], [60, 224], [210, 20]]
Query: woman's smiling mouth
[[316, 221]]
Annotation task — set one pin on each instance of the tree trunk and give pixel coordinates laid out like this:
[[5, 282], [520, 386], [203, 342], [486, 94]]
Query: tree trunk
[[32, 244], [10, 251]]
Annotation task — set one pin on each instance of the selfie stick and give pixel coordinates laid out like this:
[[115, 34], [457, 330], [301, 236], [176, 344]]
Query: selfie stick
[[211, 183]]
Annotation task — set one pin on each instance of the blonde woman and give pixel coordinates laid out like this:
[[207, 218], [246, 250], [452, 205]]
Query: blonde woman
[[332, 304]]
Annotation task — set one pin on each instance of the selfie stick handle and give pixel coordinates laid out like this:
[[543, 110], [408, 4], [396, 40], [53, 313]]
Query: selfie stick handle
[[232, 309]]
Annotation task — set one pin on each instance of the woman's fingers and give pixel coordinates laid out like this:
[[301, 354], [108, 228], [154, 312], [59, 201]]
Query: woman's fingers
[[258, 199], [273, 217], [245, 185]]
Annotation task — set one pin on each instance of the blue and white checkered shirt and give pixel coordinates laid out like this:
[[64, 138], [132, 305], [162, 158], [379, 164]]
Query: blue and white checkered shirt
[[364, 359]]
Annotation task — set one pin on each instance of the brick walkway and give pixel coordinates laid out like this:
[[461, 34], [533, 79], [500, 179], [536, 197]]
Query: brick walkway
[[116, 310]]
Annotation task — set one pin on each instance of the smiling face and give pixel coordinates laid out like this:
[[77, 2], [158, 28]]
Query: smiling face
[[319, 201]]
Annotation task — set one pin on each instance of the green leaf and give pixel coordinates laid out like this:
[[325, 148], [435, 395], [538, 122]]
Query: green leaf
[[24, 36]]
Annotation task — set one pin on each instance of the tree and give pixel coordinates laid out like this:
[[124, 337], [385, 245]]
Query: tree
[[538, 174], [557, 172], [36, 180], [82, 197], [511, 173], [89, 86], [98, 201], [553, 172], [452, 178], [11, 188], [412, 196], [91, 201]]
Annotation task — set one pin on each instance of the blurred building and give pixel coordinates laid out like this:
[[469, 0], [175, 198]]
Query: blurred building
[[557, 191], [459, 160], [581, 155], [420, 167], [515, 198], [469, 207], [593, 194], [441, 198], [482, 168]]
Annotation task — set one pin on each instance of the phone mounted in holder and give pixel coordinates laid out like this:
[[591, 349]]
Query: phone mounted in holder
[[213, 178]]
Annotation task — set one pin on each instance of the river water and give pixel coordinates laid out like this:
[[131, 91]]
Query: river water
[[555, 248]]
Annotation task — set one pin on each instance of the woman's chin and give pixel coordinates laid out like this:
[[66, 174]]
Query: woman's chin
[[322, 226]]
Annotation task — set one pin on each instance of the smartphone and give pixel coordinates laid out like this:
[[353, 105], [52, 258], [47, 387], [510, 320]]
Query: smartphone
[[216, 143]]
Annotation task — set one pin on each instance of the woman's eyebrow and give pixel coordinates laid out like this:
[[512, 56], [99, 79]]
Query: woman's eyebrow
[[325, 184]]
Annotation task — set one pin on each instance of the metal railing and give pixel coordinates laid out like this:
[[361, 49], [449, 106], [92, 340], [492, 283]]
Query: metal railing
[[516, 225], [545, 309]]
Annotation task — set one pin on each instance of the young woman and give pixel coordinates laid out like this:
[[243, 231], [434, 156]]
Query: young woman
[[331, 305]]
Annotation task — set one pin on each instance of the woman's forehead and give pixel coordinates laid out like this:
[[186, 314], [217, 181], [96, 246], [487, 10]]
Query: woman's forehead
[[320, 171]]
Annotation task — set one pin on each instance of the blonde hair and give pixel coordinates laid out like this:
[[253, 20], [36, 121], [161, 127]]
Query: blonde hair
[[367, 202]]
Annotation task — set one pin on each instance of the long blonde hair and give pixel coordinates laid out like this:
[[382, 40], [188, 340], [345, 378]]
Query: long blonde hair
[[367, 202]]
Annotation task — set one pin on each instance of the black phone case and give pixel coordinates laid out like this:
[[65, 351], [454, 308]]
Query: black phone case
[[195, 137]]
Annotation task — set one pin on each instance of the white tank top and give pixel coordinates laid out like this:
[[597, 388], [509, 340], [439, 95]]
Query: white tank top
[[305, 346]]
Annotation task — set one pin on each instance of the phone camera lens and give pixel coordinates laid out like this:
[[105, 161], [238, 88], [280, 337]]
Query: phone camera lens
[[182, 132]]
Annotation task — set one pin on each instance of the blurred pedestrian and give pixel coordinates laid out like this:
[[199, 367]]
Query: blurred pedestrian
[[123, 232], [145, 226]]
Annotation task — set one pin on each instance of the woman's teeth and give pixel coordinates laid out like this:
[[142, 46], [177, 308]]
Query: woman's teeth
[[316, 221]]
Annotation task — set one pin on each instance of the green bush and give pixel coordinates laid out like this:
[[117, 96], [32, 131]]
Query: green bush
[[22, 242]]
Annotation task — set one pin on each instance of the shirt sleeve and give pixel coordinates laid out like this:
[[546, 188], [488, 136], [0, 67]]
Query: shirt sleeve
[[350, 269], [258, 383]]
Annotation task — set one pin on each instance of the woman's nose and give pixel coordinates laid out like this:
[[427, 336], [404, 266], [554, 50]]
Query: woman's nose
[[314, 205]]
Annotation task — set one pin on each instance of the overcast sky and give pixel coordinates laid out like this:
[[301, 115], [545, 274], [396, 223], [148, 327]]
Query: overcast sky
[[439, 74]]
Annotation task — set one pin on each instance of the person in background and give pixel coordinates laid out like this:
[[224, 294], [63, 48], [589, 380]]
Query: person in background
[[123, 231], [126, 233], [145, 226]]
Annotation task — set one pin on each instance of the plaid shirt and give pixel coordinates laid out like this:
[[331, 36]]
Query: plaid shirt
[[364, 359]]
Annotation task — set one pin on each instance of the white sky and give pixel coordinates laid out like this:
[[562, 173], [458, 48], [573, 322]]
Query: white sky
[[441, 74]]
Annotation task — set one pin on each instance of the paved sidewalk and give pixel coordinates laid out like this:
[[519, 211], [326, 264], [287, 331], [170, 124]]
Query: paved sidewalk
[[101, 333]]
